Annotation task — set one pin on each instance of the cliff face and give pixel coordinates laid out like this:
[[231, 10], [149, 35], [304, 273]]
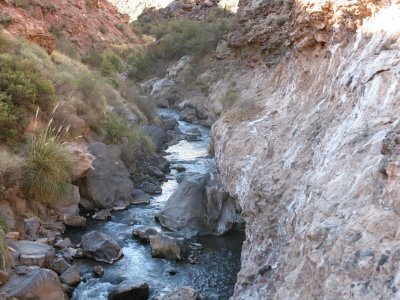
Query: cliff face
[[95, 23], [316, 165]]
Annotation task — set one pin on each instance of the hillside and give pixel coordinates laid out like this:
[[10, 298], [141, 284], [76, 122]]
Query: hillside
[[85, 24]]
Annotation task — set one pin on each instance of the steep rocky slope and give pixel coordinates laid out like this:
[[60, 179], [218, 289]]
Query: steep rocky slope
[[95, 23], [314, 160]]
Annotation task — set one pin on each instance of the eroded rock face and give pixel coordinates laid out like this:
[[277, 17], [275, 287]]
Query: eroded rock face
[[199, 206], [314, 166], [41, 284], [32, 21], [108, 183]]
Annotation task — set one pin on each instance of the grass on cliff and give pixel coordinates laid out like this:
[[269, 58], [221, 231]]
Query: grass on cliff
[[48, 165], [117, 131]]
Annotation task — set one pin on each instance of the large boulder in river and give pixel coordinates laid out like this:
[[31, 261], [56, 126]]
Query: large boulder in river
[[38, 284], [130, 291], [108, 183], [167, 246], [199, 206], [101, 247], [182, 293]]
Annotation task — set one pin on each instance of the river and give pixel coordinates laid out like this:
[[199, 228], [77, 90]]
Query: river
[[214, 273]]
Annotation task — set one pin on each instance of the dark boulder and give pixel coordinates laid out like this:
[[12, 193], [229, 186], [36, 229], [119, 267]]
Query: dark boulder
[[199, 206], [100, 247], [130, 291]]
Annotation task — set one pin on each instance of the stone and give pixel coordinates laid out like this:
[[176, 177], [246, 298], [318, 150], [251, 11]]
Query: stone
[[103, 215], [107, 183], [126, 291], [166, 246], [23, 270], [4, 276], [100, 247], [82, 160], [71, 276], [180, 168], [193, 135], [32, 259], [188, 115], [151, 188], [182, 293], [67, 289], [199, 206], [58, 265], [7, 214], [74, 221], [98, 271], [169, 123], [140, 197], [86, 205], [63, 244], [155, 172], [158, 135], [31, 227], [13, 235], [68, 202], [31, 253], [40, 284], [144, 232], [77, 253], [171, 271]]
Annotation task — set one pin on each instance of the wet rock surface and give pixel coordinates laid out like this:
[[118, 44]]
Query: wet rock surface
[[125, 291], [183, 293], [199, 206], [100, 247]]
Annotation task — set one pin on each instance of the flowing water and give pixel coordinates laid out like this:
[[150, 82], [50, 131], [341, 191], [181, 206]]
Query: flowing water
[[213, 275]]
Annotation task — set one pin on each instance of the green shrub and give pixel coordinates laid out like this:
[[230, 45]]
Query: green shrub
[[110, 63], [115, 128], [93, 58], [24, 84], [11, 120], [141, 64], [48, 166], [3, 225]]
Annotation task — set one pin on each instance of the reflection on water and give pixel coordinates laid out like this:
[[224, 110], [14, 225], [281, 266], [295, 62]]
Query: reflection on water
[[213, 275]]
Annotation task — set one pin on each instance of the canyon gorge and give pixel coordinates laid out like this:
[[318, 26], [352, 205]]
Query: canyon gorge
[[301, 103]]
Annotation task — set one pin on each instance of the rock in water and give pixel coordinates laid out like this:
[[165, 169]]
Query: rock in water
[[39, 284], [100, 247], [183, 293], [199, 206], [166, 246], [71, 276], [144, 232], [130, 291], [108, 183]]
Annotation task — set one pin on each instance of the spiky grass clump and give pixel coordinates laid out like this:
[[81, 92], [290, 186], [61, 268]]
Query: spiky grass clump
[[5, 260], [48, 165]]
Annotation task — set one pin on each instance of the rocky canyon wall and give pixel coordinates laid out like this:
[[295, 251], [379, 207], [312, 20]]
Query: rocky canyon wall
[[315, 165]]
